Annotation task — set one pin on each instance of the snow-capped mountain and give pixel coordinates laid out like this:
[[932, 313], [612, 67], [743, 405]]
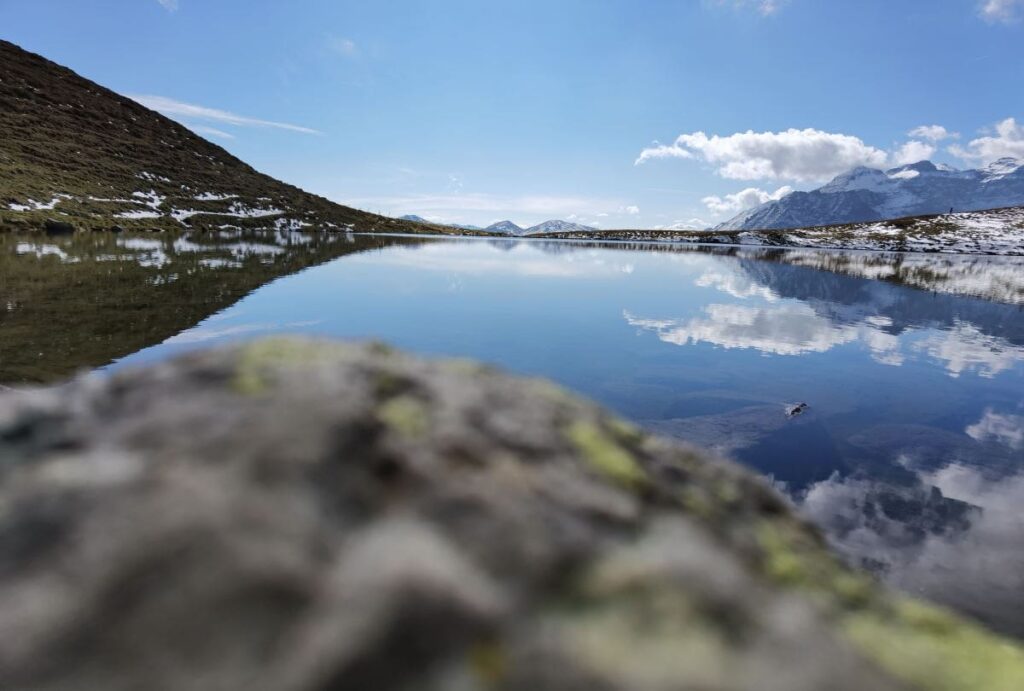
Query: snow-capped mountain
[[868, 194], [419, 219], [556, 226], [506, 227], [692, 224]]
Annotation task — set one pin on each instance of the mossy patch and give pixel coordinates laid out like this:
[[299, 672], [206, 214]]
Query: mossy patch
[[915, 642], [255, 359], [406, 415], [600, 449], [648, 637], [930, 649]]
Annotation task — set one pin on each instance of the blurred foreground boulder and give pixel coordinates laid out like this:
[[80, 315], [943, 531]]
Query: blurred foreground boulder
[[299, 516]]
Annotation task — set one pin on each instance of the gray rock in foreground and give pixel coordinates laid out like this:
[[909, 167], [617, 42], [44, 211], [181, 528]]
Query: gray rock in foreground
[[290, 515]]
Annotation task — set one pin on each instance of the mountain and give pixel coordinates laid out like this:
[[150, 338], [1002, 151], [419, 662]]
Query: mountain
[[505, 227], [992, 231], [419, 219], [75, 155], [510, 228], [556, 226], [869, 194], [693, 224]]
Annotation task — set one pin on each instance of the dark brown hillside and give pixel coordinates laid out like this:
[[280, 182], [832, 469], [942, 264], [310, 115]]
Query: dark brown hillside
[[74, 152]]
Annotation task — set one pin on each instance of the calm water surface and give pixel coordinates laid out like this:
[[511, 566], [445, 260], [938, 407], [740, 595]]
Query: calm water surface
[[910, 454]]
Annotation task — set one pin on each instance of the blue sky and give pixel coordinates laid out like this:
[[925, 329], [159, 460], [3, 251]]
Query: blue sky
[[470, 111]]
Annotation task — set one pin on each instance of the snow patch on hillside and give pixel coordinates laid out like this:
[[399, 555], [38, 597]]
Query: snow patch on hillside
[[33, 205], [213, 197], [138, 214]]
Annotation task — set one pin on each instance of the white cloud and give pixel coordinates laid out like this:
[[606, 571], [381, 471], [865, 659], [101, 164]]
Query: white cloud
[[802, 155], [791, 329], [934, 133], [171, 107], [344, 46], [975, 562], [743, 200], [770, 6], [965, 348], [779, 329], [912, 152], [1002, 428], [737, 284], [1001, 10], [764, 7], [630, 210], [169, 5], [1007, 140]]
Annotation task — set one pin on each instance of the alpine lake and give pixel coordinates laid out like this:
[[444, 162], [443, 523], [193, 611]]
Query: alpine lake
[[883, 393]]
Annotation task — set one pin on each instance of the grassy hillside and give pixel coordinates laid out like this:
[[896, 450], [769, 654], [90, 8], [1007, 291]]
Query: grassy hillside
[[73, 153], [84, 300]]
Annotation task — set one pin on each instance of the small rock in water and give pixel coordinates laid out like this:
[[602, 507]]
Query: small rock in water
[[794, 410]]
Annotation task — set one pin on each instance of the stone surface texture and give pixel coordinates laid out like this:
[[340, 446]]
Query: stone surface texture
[[291, 515]]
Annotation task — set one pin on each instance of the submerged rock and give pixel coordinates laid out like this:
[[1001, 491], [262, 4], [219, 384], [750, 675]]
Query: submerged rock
[[796, 409], [290, 515]]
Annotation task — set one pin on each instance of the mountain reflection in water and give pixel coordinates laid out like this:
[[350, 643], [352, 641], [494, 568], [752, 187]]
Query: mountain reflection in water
[[910, 454]]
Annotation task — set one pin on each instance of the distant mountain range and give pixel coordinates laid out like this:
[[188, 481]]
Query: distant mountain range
[[510, 228], [553, 226], [869, 194], [419, 219], [556, 226], [505, 227]]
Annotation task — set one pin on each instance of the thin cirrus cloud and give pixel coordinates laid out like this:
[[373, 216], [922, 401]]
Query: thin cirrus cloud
[[211, 131], [806, 155], [170, 107], [169, 5]]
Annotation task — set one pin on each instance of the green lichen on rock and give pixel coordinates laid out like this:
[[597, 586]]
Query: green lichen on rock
[[929, 648], [258, 359], [603, 452], [295, 516], [407, 415]]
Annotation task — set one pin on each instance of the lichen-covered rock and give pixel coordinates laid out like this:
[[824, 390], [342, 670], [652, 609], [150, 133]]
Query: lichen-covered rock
[[297, 516]]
